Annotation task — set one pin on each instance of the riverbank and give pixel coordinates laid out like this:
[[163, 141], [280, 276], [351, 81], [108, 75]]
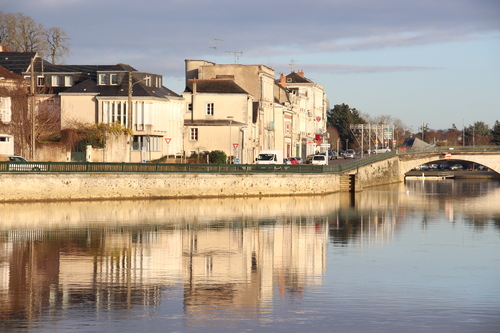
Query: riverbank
[[18, 187]]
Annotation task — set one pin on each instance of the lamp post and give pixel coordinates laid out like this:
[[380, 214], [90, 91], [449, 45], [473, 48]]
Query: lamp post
[[230, 137], [346, 143], [338, 142]]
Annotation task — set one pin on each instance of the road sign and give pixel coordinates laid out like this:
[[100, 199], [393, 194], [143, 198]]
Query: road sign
[[235, 146], [237, 160], [168, 140]]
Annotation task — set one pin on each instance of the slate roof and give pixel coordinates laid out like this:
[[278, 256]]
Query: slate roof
[[215, 86], [19, 62], [296, 78]]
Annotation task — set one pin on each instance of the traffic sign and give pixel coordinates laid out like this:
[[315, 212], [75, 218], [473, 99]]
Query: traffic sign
[[235, 146], [168, 140]]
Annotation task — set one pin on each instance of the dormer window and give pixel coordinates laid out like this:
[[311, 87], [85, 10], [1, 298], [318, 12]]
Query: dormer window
[[54, 81], [68, 81], [114, 79], [103, 79], [147, 81]]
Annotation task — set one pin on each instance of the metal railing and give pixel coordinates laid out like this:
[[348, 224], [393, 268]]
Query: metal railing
[[69, 167]]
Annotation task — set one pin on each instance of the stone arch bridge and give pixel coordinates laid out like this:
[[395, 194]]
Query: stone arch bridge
[[391, 167]]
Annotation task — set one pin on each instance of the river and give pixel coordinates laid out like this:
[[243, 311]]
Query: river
[[417, 257]]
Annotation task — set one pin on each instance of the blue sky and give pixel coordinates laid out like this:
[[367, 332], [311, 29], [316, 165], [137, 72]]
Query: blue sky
[[427, 61]]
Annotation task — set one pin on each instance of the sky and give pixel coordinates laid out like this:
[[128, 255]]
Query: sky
[[425, 62]]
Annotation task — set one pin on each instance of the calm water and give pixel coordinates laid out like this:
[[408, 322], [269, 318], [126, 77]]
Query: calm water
[[420, 257]]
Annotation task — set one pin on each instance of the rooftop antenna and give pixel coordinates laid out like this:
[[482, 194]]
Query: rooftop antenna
[[236, 55], [292, 65], [215, 41]]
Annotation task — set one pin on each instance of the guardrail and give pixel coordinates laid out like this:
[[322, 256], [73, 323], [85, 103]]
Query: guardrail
[[68, 167], [74, 167]]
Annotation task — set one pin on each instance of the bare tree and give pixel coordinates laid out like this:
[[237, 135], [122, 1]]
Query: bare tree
[[58, 44], [22, 34]]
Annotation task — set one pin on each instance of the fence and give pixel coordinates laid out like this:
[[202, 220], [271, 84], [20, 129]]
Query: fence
[[225, 168]]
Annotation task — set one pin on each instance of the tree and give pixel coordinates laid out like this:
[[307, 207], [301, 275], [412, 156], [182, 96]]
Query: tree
[[217, 157], [495, 133], [20, 33], [341, 117], [57, 43], [478, 134]]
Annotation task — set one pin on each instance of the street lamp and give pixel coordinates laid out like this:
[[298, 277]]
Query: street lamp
[[230, 136], [346, 143], [338, 142]]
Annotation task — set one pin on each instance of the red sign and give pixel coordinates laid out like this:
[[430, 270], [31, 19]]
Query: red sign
[[318, 119], [168, 140], [447, 155], [235, 145]]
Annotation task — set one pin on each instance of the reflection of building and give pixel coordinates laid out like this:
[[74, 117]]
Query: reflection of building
[[101, 267]]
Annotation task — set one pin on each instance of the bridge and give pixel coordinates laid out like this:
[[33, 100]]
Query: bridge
[[391, 167]]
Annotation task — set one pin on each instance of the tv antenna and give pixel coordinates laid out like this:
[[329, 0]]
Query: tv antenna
[[214, 42], [292, 65], [236, 55]]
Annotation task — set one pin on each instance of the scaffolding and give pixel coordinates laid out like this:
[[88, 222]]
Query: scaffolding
[[371, 136]]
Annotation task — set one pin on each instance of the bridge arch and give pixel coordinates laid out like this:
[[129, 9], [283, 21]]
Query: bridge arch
[[393, 168]]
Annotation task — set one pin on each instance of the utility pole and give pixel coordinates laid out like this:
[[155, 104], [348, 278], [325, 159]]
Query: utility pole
[[32, 108]]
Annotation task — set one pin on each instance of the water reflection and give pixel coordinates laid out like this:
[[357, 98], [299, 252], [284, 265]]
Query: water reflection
[[218, 258]]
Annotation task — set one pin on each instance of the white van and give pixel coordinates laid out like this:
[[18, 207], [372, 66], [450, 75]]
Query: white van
[[319, 160]]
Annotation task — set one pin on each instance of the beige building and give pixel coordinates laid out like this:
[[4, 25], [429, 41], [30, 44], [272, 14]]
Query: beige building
[[219, 117], [258, 82], [288, 114], [154, 116]]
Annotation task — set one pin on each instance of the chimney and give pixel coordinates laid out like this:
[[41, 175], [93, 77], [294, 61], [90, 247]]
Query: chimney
[[283, 80], [300, 72]]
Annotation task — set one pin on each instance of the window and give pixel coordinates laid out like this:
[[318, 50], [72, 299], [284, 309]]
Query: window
[[55, 81], [68, 80], [40, 81], [210, 109], [194, 134], [190, 107], [148, 142], [5, 109], [147, 81], [114, 79], [103, 79]]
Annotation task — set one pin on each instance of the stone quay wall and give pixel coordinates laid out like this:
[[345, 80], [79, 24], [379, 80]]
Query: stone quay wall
[[17, 187]]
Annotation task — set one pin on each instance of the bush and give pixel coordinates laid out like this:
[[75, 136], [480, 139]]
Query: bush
[[217, 157]]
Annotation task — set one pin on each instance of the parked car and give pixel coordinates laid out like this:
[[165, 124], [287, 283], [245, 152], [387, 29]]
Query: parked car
[[299, 159], [308, 159], [422, 167], [380, 150], [350, 153], [456, 167], [22, 164], [291, 160], [319, 160], [332, 154]]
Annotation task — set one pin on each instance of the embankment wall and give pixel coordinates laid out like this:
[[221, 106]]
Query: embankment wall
[[102, 186]]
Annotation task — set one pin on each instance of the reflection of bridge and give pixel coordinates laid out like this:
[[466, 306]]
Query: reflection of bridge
[[391, 167]]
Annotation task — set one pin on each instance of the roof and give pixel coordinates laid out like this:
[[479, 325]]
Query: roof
[[296, 78], [6, 74], [19, 62], [414, 143], [211, 122], [215, 86]]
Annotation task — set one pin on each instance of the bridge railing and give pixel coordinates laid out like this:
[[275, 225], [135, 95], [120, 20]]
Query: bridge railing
[[456, 149]]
